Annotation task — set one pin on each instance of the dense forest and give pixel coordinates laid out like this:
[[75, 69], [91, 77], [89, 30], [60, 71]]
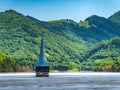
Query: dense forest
[[7, 64], [90, 45]]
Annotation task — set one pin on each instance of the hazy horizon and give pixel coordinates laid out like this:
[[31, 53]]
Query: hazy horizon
[[76, 10]]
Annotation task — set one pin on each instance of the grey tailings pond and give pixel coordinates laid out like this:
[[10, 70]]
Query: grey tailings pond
[[60, 81]]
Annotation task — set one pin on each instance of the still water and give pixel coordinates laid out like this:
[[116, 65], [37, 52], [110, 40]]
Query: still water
[[58, 81]]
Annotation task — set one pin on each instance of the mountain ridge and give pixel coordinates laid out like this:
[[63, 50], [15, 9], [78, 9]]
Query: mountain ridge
[[115, 17]]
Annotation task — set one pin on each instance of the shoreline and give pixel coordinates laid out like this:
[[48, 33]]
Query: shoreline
[[60, 73]]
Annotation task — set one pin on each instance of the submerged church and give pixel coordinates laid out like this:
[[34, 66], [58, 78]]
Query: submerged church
[[42, 67]]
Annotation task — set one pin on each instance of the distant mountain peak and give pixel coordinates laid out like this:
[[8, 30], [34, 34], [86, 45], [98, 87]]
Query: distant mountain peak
[[116, 13], [115, 17], [95, 20], [94, 17], [12, 12], [63, 20]]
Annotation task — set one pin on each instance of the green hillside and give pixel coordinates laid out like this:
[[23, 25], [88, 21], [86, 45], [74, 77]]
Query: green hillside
[[91, 31], [7, 64], [69, 46], [104, 56], [101, 28], [21, 36]]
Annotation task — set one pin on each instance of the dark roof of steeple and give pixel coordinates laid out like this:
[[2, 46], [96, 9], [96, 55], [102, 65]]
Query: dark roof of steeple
[[42, 58]]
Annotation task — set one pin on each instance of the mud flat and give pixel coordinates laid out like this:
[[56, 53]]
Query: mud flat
[[60, 81]]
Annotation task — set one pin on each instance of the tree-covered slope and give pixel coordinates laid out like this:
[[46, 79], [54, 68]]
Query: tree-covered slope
[[101, 28], [7, 64], [20, 38], [91, 31], [104, 56], [66, 28]]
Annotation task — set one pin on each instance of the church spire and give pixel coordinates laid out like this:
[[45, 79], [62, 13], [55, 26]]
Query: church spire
[[42, 58]]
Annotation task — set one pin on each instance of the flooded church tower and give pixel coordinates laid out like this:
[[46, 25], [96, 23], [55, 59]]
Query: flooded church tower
[[42, 67]]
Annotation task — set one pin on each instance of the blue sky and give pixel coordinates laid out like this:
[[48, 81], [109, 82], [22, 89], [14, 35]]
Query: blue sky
[[62, 9]]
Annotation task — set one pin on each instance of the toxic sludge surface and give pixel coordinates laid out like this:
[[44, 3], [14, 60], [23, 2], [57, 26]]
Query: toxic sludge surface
[[60, 81]]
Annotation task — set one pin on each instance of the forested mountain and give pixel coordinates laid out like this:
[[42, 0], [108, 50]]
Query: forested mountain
[[115, 17], [88, 31], [101, 29], [69, 45], [104, 56], [21, 36]]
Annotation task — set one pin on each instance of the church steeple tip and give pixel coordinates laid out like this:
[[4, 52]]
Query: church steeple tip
[[42, 58]]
